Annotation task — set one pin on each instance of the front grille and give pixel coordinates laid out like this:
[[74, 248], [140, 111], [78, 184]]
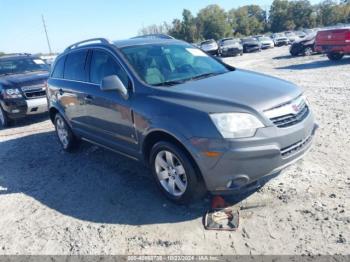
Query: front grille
[[36, 91], [296, 147], [291, 119], [36, 94]]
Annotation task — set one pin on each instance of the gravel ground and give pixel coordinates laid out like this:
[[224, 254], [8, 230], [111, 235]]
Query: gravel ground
[[96, 202]]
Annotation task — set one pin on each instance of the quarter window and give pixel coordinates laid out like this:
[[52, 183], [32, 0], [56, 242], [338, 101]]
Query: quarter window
[[102, 65], [75, 66], [59, 68]]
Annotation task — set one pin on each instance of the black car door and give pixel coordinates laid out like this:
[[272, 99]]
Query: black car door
[[110, 115]]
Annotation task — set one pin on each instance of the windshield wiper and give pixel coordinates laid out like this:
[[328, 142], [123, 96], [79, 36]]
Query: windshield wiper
[[206, 75], [170, 83], [177, 82], [203, 76]]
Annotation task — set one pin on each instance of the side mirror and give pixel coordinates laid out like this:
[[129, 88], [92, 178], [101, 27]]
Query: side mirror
[[113, 82]]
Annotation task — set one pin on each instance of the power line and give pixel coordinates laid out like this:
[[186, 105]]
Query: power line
[[47, 36]]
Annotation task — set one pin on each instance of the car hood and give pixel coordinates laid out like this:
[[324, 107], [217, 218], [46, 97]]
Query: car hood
[[251, 43], [232, 46], [242, 88], [281, 38], [24, 79]]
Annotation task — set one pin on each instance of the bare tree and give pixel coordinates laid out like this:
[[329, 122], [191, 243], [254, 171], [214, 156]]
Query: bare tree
[[155, 29]]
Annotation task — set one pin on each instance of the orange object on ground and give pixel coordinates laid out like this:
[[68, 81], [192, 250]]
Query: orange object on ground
[[218, 202]]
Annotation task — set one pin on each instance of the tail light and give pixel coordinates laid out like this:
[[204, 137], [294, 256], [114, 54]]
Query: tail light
[[347, 37]]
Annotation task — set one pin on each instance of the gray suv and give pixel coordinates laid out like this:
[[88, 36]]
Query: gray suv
[[199, 124]]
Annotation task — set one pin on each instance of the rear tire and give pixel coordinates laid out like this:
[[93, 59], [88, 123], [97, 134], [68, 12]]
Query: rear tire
[[4, 119], [67, 139], [175, 174], [335, 56]]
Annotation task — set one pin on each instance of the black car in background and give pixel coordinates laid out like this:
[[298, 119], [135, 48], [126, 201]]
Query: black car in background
[[304, 46], [230, 47], [22, 87], [251, 44]]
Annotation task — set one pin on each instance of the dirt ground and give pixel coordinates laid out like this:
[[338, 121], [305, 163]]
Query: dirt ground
[[97, 202]]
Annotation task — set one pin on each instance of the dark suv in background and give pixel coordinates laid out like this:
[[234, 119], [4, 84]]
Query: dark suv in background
[[198, 123], [22, 87]]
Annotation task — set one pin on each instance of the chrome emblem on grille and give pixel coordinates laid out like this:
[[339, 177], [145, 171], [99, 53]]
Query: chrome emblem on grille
[[295, 108]]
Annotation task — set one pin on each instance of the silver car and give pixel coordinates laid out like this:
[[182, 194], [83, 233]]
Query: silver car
[[210, 46]]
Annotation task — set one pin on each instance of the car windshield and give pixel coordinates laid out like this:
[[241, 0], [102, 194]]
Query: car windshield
[[171, 64], [230, 42], [264, 39], [22, 65], [249, 39]]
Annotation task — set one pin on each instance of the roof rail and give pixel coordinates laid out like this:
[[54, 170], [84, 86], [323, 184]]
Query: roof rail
[[101, 40], [154, 36]]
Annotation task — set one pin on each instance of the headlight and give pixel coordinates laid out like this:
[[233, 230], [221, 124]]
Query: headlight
[[236, 125], [12, 93], [307, 102]]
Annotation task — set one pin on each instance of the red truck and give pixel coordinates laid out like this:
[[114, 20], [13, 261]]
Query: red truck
[[333, 42]]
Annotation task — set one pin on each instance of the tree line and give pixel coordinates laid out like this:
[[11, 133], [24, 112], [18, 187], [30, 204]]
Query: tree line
[[213, 22]]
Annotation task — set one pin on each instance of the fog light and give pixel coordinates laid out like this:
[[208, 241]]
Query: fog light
[[15, 111], [238, 181]]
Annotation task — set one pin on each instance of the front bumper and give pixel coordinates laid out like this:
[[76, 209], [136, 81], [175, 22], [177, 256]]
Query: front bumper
[[20, 108], [267, 46], [244, 161], [282, 43], [231, 52], [250, 49], [212, 52]]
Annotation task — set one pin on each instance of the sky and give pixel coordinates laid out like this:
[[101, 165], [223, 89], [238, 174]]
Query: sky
[[21, 27]]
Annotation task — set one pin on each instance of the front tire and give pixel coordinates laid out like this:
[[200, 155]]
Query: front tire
[[175, 174], [335, 56], [308, 51], [65, 135], [4, 119]]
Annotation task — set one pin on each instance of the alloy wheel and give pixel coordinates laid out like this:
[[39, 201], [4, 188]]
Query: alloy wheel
[[171, 173], [62, 132], [308, 51]]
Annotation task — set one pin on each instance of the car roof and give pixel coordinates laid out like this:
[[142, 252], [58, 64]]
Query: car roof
[[16, 56], [144, 41]]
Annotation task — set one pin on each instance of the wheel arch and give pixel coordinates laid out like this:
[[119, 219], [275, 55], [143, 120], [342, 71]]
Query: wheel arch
[[52, 113], [156, 136]]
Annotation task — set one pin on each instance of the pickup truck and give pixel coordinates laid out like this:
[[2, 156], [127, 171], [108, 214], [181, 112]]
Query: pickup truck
[[334, 42]]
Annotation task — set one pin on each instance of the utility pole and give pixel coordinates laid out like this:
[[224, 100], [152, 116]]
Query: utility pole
[[47, 36]]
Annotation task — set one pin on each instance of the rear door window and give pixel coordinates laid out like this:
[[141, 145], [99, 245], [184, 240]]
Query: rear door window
[[102, 65], [75, 66]]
